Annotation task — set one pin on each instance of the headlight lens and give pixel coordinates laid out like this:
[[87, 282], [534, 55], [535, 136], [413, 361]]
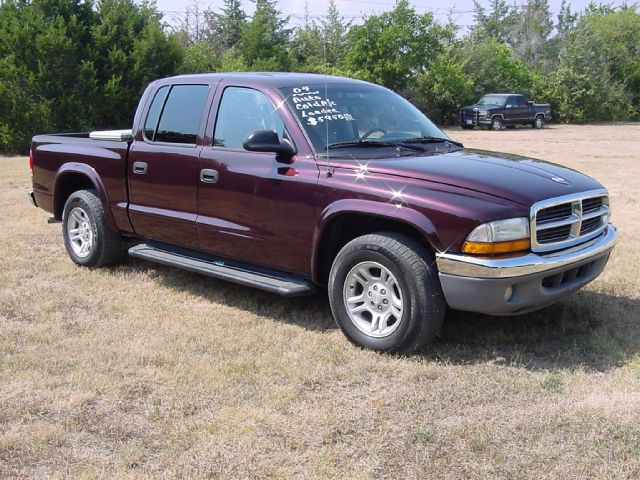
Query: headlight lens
[[483, 112], [501, 236]]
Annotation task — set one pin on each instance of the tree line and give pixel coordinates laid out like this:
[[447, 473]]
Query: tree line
[[70, 65]]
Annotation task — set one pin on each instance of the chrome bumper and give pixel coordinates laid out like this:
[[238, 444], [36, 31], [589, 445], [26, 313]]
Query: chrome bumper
[[511, 286], [469, 266]]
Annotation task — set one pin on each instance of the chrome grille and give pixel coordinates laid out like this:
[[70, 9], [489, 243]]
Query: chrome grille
[[562, 222]]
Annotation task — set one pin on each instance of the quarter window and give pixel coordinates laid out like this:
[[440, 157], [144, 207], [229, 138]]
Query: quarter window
[[242, 111], [154, 113], [182, 114]]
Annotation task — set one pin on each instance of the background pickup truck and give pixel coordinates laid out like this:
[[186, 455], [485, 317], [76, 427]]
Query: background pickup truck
[[497, 110], [287, 182]]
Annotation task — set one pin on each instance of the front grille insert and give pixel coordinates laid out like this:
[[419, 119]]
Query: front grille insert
[[563, 222]]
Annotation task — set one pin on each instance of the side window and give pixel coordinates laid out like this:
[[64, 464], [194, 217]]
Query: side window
[[153, 115], [512, 101], [242, 111], [182, 113]]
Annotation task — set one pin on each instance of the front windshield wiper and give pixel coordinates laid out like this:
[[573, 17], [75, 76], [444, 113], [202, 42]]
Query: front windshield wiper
[[364, 144], [404, 142]]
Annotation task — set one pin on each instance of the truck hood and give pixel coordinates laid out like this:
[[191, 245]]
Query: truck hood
[[520, 179], [474, 107]]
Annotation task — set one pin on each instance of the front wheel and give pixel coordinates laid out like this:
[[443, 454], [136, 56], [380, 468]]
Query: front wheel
[[87, 237], [385, 293], [496, 123]]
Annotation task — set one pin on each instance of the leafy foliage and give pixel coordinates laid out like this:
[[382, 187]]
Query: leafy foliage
[[390, 48], [264, 43], [598, 74], [70, 65], [67, 66]]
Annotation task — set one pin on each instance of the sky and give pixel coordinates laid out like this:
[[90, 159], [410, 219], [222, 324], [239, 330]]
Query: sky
[[355, 10]]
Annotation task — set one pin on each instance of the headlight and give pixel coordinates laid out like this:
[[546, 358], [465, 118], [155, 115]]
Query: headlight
[[501, 236], [483, 112]]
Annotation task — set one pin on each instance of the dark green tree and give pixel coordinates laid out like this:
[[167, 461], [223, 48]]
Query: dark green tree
[[492, 67], [265, 41], [48, 78], [225, 27], [132, 49], [308, 44], [529, 31], [334, 30], [494, 22], [566, 19], [598, 75], [395, 46]]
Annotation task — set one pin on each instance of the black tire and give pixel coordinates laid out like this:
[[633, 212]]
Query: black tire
[[467, 127], [412, 268], [84, 210], [496, 123], [538, 123]]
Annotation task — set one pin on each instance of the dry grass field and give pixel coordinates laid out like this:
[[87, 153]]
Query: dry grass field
[[142, 371]]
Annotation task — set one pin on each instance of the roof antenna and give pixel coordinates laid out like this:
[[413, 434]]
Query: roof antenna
[[326, 98]]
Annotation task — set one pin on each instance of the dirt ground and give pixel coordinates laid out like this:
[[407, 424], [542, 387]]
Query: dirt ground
[[141, 371]]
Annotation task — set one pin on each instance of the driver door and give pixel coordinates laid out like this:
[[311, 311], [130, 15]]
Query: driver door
[[251, 207]]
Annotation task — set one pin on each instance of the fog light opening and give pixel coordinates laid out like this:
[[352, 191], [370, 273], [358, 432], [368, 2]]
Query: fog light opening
[[508, 294]]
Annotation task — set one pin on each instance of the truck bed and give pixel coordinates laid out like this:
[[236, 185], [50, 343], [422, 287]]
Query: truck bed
[[103, 161]]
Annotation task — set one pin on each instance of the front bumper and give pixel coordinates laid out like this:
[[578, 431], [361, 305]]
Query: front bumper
[[482, 122], [473, 118], [507, 286]]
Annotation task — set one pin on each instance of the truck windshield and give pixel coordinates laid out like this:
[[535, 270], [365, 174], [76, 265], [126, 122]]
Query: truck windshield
[[500, 100], [341, 115]]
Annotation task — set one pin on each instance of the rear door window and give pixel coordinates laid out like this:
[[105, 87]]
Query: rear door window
[[182, 114]]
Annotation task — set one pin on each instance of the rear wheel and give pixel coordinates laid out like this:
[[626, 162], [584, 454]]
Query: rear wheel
[[385, 293], [87, 237], [538, 123], [496, 123]]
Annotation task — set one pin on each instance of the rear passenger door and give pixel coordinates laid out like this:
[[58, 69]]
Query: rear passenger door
[[163, 164]]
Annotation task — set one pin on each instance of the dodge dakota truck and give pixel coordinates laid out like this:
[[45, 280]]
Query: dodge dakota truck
[[500, 110], [293, 182]]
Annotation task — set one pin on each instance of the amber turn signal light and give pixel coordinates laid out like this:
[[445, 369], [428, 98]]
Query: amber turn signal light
[[484, 248]]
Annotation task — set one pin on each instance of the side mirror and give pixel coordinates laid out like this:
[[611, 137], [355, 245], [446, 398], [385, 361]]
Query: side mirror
[[268, 141], [509, 105]]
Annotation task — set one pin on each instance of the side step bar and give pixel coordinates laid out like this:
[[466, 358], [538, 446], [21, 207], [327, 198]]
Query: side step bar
[[244, 274]]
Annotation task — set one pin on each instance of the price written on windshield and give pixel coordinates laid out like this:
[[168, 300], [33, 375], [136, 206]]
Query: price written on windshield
[[316, 109]]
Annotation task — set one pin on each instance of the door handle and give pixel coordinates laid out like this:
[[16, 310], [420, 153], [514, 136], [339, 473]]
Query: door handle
[[208, 175], [140, 168]]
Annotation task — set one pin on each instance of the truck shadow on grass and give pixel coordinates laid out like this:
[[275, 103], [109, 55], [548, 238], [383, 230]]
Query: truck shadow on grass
[[589, 330]]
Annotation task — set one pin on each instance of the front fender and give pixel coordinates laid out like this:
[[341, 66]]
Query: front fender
[[389, 211]]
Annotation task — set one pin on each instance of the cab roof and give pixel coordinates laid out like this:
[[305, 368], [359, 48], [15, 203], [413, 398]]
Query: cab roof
[[270, 79]]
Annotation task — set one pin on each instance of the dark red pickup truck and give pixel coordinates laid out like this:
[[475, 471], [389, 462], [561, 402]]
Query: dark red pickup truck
[[286, 182]]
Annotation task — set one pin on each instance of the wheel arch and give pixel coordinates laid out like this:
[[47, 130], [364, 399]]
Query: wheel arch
[[72, 177], [348, 219]]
